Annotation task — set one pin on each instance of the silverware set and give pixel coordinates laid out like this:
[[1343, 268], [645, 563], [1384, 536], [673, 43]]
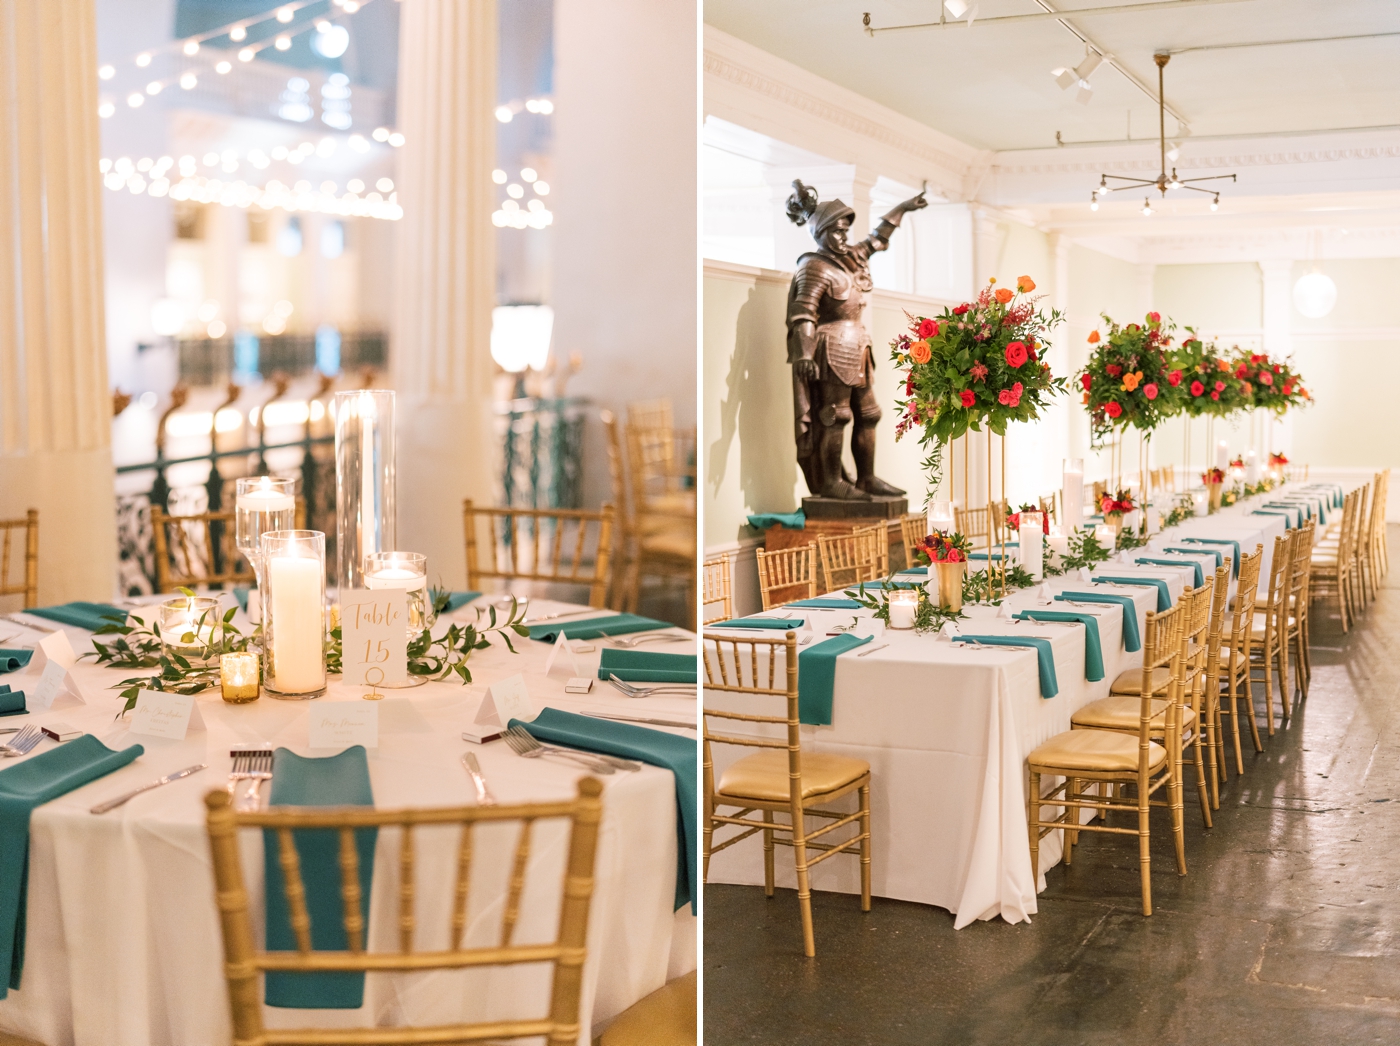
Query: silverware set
[[629, 642], [112, 804], [249, 764], [646, 691], [473, 768], [22, 743], [975, 644], [526, 745], [641, 719]]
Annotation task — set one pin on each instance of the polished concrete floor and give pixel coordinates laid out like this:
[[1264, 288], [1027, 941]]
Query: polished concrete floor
[[1286, 931]]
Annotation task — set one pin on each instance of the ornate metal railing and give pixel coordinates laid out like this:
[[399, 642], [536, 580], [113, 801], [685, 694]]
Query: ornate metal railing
[[541, 452], [213, 361]]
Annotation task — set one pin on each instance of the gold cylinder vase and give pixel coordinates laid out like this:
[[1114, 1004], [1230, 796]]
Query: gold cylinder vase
[[950, 585]]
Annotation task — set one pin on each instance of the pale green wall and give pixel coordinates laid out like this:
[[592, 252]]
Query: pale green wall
[[1210, 298]]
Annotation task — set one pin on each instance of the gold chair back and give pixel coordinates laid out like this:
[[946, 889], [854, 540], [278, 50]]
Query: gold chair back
[[970, 522], [861, 555], [535, 545], [913, 528], [1047, 506], [716, 597], [787, 568], [197, 549], [28, 586], [243, 962]]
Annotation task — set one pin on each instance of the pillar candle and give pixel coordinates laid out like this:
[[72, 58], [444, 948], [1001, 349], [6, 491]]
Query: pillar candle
[[904, 605], [1222, 455], [1032, 538], [1072, 492], [1058, 542], [298, 664], [1251, 468], [1202, 506]]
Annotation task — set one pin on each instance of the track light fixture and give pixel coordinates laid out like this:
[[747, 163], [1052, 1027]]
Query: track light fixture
[[1079, 77]]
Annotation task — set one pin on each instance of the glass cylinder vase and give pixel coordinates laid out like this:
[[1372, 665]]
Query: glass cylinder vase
[[294, 609], [364, 481], [189, 628]]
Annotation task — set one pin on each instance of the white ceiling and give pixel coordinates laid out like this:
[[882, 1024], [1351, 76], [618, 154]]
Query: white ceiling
[[990, 85]]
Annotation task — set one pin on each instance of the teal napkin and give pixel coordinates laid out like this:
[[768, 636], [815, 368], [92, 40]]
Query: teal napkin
[[23, 787], [1093, 647], [668, 751], [1197, 572], [338, 780], [915, 570], [594, 627], [1164, 595], [1296, 513], [825, 603], [647, 666], [1219, 556], [10, 660], [880, 586], [761, 622], [240, 593], [996, 554], [90, 616], [1235, 569], [1287, 516], [791, 520], [11, 702], [816, 677], [1045, 655], [1132, 638], [457, 600]]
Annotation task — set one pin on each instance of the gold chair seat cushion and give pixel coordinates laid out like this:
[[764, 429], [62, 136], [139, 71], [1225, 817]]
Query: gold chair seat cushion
[[765, 775], [1123, 713], [675, 540], [1095, 751], [666, 1017], [1130, 682]]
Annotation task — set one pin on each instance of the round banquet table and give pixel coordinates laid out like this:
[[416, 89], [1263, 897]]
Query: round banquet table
[[123, 944]]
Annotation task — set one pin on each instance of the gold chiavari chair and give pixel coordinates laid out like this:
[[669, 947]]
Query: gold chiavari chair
[[861, 555], [1210, 694], [913, 528], [517, 548], [791, 570], [1331, 566], [1380, 553], [656, 414], [716, 598], [197, 549], [1141, 759], [666, 1017], [1236, 645], [1121, 710], [1368, 559], [972, 523], [1268, 652], [1296, 623], [29, 586], [243, 963], [1047, 506], [1361, 553], [779, 778]]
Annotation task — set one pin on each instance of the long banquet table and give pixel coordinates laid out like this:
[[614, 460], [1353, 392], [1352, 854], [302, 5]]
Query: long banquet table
[[946, 732], [124, 945]]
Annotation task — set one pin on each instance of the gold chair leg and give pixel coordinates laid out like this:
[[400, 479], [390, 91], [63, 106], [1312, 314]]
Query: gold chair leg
[[708, 840], [865, 848], [804, 885], [1033, 820], [1145, 845], [768, 855], [1201, 787], [1285, 695]]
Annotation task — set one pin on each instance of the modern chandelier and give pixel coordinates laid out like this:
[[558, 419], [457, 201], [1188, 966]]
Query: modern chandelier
[[1163, 181]]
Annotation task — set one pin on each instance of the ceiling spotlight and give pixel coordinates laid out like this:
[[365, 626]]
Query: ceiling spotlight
[[285, 15], [1215, 203], [956, 8], [1146, 207], [1093, 202], [191, 47], [1068, 78], [1085, 94], [1174, 153], [223, 67], [238, 34]]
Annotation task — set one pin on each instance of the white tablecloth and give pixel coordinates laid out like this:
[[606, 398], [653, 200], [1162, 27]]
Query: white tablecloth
[[946, 732], [124, 946]]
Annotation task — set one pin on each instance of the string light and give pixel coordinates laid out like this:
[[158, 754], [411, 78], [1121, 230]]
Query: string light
[[191, 47], [509, 110], [238, 34]]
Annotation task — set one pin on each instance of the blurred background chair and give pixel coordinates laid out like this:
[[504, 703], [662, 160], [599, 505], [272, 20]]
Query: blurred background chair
[[28, 585], [555, 546], [196, 550]]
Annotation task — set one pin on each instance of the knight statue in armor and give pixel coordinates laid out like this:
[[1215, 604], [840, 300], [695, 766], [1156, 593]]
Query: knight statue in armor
[[829, 347]]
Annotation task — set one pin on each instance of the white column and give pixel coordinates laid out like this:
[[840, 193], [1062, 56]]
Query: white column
[[55, 406], [986, 247], [446, 279], [1278, 341]]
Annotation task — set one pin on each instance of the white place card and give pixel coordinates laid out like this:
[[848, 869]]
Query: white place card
[[870, 626], [170, 716], [562, 643], [56, 684], [54, 647], [374, 636], [505, 700], [340, 724]]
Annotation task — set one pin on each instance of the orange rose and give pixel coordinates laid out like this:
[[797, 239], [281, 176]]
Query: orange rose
[[1005, 294], [1025, 284], [1130, 380], [1086, 397], [920, 352], [1093, 337]]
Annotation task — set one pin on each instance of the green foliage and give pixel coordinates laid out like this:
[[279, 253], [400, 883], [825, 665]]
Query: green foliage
[[1130, 539], [928, 616], [1085, 551]]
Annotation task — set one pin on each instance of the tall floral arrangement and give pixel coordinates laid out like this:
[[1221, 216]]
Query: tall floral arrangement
[[978, 364], [1130, 379], [1208, 382], [1274, 384]]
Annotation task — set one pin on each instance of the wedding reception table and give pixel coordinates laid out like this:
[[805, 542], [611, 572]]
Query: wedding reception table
[[946, 730], [123, 940]]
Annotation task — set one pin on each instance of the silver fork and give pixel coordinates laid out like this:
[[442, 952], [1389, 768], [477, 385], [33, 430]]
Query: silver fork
[[978, 644], [648, 637], [646, 691], [22, 743], [612, 760], [260, 770], [523, 744], [241, 759]]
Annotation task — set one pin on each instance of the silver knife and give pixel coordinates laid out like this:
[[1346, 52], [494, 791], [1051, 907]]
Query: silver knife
[[112, 804], [563, 613], [642, 719], [483, 794]]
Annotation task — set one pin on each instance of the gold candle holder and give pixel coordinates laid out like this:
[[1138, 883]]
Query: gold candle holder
[[238, 677]]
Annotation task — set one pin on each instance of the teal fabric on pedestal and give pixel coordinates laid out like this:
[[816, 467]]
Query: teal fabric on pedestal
[[791, 520]]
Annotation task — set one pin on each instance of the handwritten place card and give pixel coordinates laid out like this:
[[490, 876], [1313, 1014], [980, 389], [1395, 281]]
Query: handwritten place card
[[340, 724], [374, 637], [170, 716], [56, 684], [505, 700]]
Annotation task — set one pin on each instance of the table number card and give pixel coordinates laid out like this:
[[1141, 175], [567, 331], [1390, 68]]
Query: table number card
[[169, 716], [374, 636], [505, 700], [340, 724]]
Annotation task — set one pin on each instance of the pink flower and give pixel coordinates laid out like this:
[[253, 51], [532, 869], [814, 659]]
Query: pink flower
[[1154, 317], [1174, 378], [1150, 391], [1004, 397], [978, 371], [1197, 388]]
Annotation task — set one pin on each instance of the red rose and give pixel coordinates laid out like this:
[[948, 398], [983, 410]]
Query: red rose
[[968, 399], [1132, 327], [1219, 386], [1265, 378], [1084, 380], [1241, 372], [1113, 370], [1004, 397], [961, 309], [1174, 378], [1287, 389], [1150, 391], [928, 329], [1154, 317], [1113, 409], [1197, 388], [1030, 352], [1215, 395], [1016, 353]]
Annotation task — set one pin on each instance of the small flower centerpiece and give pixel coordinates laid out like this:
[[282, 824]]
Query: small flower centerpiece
[[1214, 479], [1114, 507], [1013, 520], [1130, 380], [1278, 460], [947, 554], [979, 364]]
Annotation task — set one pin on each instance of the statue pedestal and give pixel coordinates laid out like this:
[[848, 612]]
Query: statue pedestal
[[868, 512]]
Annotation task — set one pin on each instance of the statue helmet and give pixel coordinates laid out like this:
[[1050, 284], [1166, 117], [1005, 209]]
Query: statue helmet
[[802, 207]]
